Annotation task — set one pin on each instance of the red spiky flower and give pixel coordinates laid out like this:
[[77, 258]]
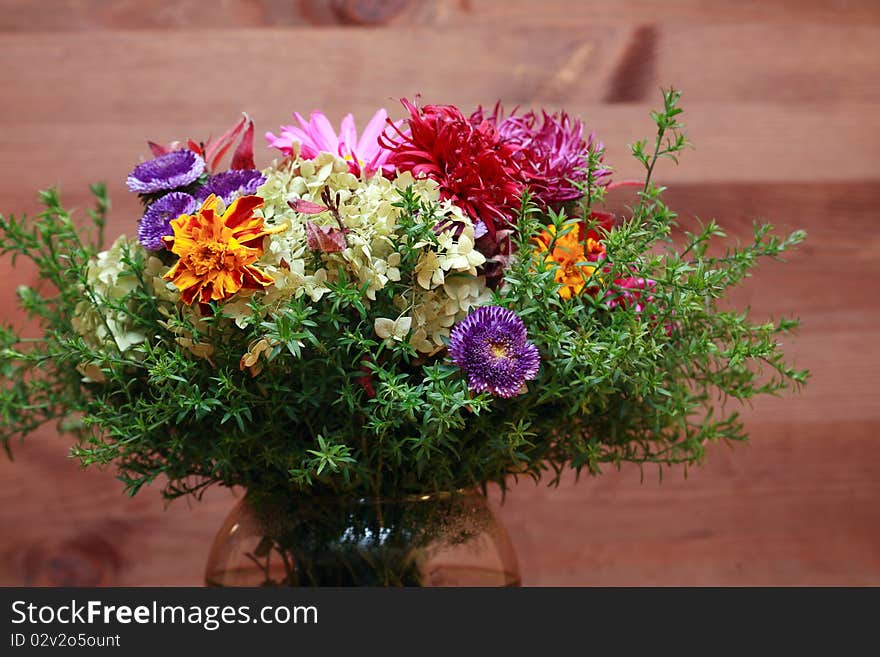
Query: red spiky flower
[[472, 165]]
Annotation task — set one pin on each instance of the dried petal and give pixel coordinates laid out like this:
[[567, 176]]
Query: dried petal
[[392, 329], [325, 239], [307, 207]]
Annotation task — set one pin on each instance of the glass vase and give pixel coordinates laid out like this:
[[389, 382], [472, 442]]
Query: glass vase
[[446, 539]]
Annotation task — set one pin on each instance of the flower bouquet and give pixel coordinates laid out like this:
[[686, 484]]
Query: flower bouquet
[[366, 333]]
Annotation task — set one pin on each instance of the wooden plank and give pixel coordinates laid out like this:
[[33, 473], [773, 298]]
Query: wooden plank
[[107, 115], [569, 67], [782, 14], [82, 15], [734, 144], [87, 15], [814, 63], [304, 69]]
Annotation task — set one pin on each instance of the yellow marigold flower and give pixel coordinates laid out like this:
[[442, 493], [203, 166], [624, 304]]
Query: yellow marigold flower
[[575, 258], [217, 251]]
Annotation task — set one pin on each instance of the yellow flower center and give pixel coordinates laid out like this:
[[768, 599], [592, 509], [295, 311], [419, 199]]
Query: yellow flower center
[[498, 349], [348, 157], [208, 257]]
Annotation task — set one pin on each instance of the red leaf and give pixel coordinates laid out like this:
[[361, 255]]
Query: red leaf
[[366, 381], [324, 238], [307, 207], [195, 148], [162, 149], [216, 149], [243, 158], [158, 149]]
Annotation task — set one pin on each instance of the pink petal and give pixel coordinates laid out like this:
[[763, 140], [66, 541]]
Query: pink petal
[[373, 165], [368, 146], [283, 145], [276, 142], [347, 135], [297, 134], [290, 135], [323, 134], [302, 122], [308, 149]]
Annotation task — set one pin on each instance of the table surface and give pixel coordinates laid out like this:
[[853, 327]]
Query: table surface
[[782, 102]]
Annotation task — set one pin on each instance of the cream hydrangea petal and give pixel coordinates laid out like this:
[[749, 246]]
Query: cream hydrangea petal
[[394, 329], [368, 212]]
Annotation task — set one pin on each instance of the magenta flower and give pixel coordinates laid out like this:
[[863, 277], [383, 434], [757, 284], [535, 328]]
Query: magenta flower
[[551, 151], [632, 291], [637, 292], [364, 154]]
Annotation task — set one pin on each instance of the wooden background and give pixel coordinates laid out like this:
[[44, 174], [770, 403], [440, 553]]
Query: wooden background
[[783, 103]]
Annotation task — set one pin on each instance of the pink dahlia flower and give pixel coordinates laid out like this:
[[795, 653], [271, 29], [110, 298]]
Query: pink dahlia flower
[[364, 154], [551, 151]]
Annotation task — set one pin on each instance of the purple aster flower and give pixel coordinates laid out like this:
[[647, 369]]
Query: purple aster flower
[[551, 150], [492, 348], [231, 184], [170, 171], [156, 222]]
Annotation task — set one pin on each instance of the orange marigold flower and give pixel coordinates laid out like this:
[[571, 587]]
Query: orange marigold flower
[[217, 251], [574, 255]]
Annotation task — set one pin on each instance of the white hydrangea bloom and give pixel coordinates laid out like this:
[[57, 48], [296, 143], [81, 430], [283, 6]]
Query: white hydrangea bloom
[[366, 213], [393, 329], [106, 272], [154, 270], [108, 280], [435, 311], [445, 284]]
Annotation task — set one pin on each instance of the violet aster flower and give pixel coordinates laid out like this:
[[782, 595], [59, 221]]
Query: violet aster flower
[[551, 150], [492, 348], [166, 172], [156, 222], [229, 185]]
